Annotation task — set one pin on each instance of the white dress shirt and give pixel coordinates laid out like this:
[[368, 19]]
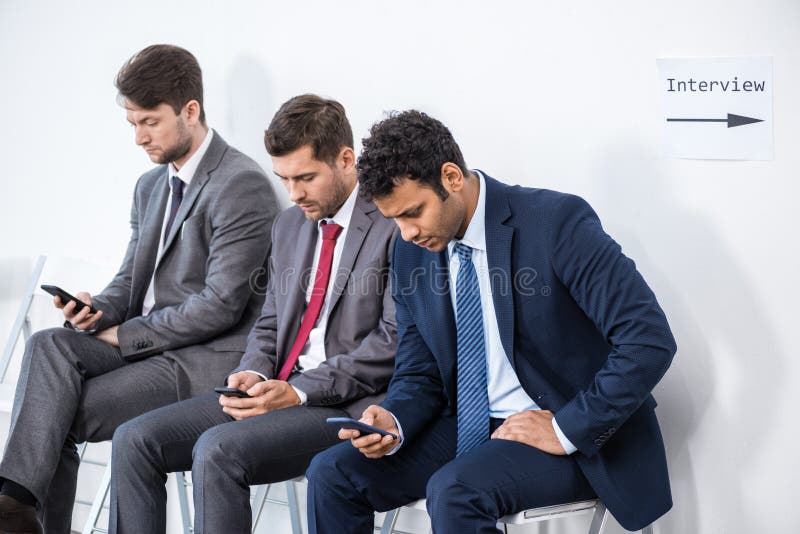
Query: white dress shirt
[[506, 396], [185, 174], [313, 353]]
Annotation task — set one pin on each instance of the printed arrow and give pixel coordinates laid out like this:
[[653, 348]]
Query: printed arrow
[[732, 120]]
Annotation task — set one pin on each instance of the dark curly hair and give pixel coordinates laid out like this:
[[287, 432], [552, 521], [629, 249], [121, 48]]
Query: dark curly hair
[[162, 74], [309, 120], [406, 145]]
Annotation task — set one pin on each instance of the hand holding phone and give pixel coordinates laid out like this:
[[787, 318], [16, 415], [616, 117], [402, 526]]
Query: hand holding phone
[[66, 297], [352, 424], [231, 392], [77, 310]]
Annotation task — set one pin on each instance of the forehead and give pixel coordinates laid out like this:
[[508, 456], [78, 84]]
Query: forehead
[[137, 113], [407, 194], [297, 162]]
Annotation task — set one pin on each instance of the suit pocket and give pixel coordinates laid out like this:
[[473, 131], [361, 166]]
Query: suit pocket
[[192, 226]]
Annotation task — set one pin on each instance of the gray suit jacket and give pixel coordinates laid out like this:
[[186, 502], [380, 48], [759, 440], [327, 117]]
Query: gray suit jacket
[[361, 334], [204, 303]]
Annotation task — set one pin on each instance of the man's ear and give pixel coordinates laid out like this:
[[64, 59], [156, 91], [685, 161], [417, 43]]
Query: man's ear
[[191, 112], [346, 158], [452, 177]]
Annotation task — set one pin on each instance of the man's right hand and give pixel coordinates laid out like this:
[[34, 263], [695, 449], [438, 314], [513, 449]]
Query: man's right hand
[[373, 445], [243, 380], [84, 319]]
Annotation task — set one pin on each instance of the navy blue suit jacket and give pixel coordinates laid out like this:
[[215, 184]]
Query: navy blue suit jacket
[[579, 324]]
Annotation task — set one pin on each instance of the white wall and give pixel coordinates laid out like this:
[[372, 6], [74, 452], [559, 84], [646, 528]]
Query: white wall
[[548, 94]]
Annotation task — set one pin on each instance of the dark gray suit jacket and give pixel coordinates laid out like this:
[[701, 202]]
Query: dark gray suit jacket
[[204, 303], [360, 337]]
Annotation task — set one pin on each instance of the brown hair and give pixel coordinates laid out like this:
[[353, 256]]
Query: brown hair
[[309, 120], [162, 74]]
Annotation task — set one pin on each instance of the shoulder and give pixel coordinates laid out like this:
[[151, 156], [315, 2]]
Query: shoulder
[[288, 222], [148, 181], [233, 162]]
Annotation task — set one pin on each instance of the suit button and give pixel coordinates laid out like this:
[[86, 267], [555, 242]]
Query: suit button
[[598, 442], [611, 431]]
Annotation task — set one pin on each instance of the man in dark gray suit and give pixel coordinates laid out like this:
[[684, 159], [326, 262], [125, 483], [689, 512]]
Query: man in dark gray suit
[[175, 316], [323, 346]]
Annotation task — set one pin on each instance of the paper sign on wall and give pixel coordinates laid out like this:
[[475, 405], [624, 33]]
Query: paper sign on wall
[[717, 108]]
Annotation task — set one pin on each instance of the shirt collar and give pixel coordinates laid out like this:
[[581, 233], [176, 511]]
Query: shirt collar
[[190, 167], [342, 217], [475, 235]]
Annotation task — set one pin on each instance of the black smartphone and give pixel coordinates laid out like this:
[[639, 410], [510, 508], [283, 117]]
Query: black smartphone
[[352, 424], [66, 297], [231, 392]]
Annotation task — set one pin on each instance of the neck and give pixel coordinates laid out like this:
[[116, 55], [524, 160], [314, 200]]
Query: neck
[[470, 193], [198, 136]]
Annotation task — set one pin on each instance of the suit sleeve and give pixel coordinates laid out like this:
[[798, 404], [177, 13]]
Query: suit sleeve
[[260, 354], [416, 392], [365, 370], [115, 298], [612, 293], [240, 218]]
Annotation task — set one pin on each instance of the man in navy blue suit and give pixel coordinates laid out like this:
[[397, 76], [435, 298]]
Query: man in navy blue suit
[[528, 346]]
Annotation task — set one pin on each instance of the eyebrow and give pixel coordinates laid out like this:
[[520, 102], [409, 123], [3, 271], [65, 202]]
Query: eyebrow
[[406, 212], [298, 177]]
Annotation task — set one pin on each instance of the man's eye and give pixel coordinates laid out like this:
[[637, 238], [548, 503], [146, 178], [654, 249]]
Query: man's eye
[[150, 123]]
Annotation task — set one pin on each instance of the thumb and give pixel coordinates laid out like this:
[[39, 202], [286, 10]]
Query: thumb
[[369, 415], [84, 296]]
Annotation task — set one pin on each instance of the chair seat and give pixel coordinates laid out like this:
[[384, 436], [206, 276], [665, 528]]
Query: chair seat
[[546, 513]]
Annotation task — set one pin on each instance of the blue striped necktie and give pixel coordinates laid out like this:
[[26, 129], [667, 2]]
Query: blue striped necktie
[[471, 389]]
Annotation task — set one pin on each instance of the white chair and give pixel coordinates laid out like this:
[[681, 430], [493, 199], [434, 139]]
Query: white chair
[[546, 513], [22, 324]]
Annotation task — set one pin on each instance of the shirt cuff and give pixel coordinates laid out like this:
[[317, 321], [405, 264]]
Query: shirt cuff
[[71, 326], [569, 448], [302, 395], [399, 441]]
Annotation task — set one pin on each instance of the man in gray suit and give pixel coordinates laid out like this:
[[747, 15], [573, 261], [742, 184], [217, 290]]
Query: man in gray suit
[[173, 319], [323, 346]]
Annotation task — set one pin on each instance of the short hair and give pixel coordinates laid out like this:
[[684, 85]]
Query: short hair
[[162, 74], [406, 145], [309, 120]]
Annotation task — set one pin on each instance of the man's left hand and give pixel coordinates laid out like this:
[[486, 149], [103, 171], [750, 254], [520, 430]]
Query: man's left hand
[[531, 427], [265, 396], [109, 335]]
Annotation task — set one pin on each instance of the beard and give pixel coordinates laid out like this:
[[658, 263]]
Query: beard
[[330, 206], [179, 149]]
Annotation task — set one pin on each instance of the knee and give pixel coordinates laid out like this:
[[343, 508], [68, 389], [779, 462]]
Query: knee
[[330, 466], [447, 489], [321, 467], [210, 448], [133, 444], [44, 338]]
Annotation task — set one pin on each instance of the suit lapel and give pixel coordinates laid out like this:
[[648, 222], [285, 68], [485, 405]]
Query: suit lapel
[[441, 322], [297, 281], [359, 226], [147, 247], [208, 164], [499, 241]]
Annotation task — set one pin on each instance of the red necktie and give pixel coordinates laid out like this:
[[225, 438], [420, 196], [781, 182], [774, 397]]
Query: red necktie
[[330, 232]]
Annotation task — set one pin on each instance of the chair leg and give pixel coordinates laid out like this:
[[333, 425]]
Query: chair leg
[[257, 506], [183, 501], [294, 508], [97, 504], [598, 519], [389, 521]]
